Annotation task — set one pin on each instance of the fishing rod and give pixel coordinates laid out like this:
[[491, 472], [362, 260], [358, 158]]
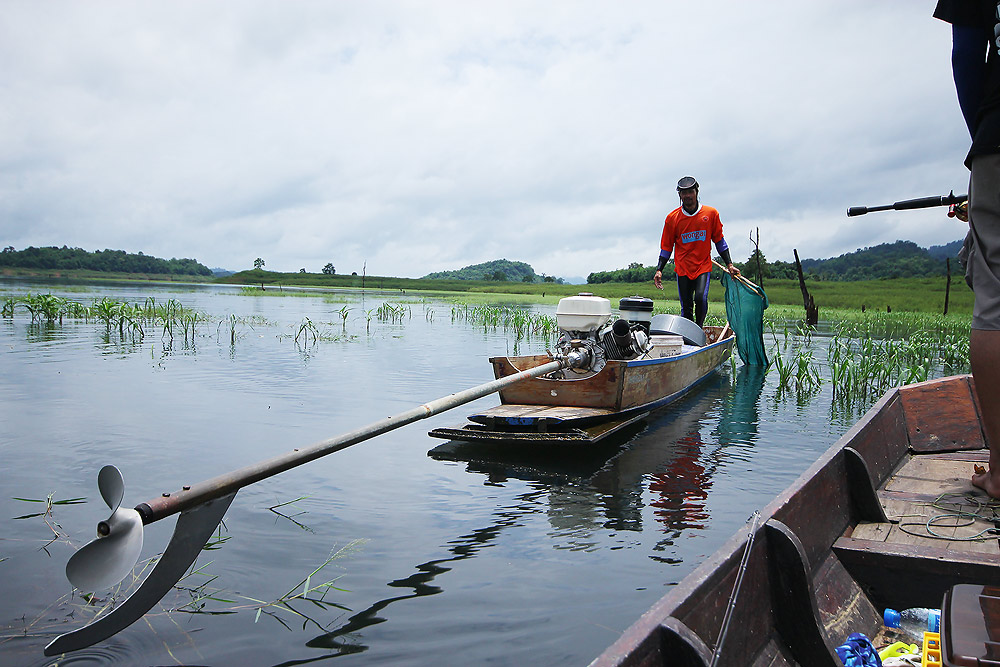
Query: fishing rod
[[728, 616], [107, 560], [949, 199]]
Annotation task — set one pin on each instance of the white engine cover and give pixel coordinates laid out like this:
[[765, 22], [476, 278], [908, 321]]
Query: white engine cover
[[583, 312]]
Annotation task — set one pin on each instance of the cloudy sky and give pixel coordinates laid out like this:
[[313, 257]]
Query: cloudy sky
[[411, 137]]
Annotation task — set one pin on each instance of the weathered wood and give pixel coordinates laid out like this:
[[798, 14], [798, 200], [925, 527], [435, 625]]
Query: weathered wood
[[947, 284], [941, 415], [901, 576], [861, 489], [812, 310], [556, 412], [796, 616], [829, 570], [880, 437], [560, 435], [620, 385], [577, 403]]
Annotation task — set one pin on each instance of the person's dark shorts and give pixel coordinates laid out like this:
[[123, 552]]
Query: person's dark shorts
[[982, 245]]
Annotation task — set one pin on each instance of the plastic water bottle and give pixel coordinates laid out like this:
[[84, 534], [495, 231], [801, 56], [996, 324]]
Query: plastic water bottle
[[914, 621]]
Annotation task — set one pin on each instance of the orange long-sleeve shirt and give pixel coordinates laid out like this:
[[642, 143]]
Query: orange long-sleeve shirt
[[690, 238]]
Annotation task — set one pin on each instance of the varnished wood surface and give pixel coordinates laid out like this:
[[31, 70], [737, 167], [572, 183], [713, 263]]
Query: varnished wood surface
[[931, 503], [619, 385], [557, 412]]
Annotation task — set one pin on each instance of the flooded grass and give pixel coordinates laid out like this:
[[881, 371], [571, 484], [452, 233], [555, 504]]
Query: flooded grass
[[864, 354], [861, 354], [522, 323], [742, 431]]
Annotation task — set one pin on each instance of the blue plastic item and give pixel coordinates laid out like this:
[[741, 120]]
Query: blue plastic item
[[858, 651]]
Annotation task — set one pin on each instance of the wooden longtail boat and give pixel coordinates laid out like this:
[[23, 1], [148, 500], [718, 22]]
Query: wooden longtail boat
[[567, 407], [859, 531]]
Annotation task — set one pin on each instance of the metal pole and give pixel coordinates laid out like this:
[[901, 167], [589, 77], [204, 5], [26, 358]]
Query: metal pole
[[192, 495]]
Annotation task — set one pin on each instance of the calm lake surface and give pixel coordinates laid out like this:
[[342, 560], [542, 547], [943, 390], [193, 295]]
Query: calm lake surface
[[541, 562]]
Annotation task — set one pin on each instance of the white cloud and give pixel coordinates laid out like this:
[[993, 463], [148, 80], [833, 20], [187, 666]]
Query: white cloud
[[417, 137]]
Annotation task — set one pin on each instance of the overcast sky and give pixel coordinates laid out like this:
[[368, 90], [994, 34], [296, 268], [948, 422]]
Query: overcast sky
[[425, 136]]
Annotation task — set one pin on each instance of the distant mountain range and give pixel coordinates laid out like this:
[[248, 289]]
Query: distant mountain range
[[902, 259]]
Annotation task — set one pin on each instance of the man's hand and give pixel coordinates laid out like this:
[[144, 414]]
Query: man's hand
[[733, 271], [960, 211], [658, 279]]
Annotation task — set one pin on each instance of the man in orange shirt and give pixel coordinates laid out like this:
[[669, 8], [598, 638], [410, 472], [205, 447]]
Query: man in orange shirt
[[691, 228]]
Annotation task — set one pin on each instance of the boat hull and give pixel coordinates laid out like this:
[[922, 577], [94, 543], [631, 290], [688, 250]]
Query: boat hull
[[578, 407], [836, 548]]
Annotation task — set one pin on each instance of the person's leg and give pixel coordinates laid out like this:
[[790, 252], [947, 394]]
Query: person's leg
[[685, 292], [701, 284], [983, 271], [984, 354]]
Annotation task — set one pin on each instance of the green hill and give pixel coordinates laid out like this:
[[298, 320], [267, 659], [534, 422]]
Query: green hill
[[498, 269], [902, 259]]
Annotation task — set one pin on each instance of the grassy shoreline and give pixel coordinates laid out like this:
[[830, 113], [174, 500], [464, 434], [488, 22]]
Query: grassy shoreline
[[922, 295]]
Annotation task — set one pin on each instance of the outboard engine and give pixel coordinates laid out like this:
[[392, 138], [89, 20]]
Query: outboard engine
[[583, 320], [580, 318], [637, 310], [624, 341]]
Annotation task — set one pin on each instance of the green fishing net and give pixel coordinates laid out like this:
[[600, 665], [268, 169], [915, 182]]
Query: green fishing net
[[745, 307]]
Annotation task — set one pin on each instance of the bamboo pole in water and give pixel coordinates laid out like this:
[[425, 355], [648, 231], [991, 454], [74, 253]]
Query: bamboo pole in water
[[196, 494]]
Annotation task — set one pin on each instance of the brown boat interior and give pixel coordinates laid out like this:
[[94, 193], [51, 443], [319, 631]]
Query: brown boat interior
[[886, 518]]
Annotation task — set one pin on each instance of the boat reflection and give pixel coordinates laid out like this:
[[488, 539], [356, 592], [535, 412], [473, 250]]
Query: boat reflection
[[673, 456], [585, 492]]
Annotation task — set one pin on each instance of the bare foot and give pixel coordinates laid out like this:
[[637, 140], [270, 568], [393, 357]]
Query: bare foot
[[987, 481]]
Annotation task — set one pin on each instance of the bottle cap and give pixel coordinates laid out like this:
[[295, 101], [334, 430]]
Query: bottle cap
[[891, 618]]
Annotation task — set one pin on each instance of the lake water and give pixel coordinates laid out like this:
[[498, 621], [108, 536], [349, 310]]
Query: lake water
[[451, 562]]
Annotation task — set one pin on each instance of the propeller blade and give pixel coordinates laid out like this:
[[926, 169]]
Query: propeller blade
[[194, 528], [112, 486], [109, 559]]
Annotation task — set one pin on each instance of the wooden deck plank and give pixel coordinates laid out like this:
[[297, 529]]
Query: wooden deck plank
[[933, 504], [942, 414], [541, 411], [872, 531]]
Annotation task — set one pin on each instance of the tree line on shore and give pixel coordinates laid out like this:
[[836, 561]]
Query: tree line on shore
[[902, 259], [110, 261]]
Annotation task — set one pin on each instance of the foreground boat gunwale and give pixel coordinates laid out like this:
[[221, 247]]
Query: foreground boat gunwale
[[809, 582]]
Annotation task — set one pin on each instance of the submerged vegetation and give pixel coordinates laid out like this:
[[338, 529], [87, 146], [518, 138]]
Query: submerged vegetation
[[189, 596], [864, 351], [864, 354], [860, 354], [131, 322]]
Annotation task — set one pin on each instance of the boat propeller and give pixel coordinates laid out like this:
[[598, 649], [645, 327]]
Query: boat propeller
[[108, 559]]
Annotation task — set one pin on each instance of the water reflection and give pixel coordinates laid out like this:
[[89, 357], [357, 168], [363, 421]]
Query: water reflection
[[603, 487], [421, 582], [740, 419], [574, 528]]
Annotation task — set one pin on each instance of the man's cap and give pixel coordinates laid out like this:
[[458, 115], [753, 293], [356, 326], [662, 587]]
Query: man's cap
[[686, 183]]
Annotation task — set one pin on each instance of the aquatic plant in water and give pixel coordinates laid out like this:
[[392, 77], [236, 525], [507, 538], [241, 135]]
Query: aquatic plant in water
[[867, 355]]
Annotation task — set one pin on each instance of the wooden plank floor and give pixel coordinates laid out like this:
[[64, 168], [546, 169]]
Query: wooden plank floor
[[932, 503], [540, 411]]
